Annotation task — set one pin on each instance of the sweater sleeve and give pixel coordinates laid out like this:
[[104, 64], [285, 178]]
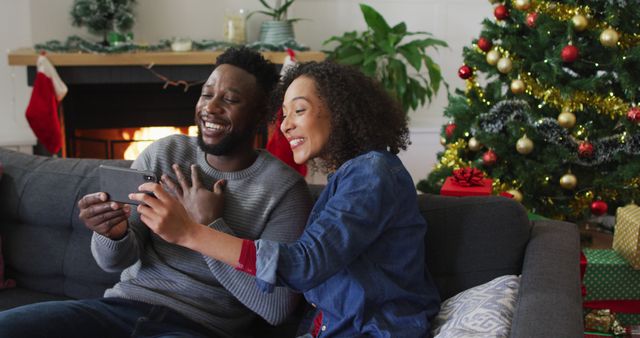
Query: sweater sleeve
[[114, 256], [285, 224]]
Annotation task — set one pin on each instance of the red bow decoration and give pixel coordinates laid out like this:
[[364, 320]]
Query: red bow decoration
[[468, 177]]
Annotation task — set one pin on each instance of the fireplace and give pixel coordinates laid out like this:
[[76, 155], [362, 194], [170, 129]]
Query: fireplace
[[111, 96], [106, 106]]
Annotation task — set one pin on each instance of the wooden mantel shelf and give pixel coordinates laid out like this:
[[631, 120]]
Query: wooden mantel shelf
[[28, 57]]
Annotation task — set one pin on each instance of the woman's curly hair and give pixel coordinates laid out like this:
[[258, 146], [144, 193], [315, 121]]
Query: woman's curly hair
[[364, 116]]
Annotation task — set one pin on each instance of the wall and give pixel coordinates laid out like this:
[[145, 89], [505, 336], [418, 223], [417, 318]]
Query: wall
[[455, 21], [15, 30]]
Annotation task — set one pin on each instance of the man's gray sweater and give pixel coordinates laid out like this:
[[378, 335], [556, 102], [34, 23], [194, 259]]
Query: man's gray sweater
[[266, 200]]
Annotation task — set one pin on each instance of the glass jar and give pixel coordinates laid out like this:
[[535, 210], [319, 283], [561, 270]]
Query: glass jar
[[234, 26]]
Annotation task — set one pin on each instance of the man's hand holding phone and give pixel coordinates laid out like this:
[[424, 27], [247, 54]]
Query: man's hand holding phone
[[105, 217]]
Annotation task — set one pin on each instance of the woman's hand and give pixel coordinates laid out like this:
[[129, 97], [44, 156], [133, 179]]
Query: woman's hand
[[165, 215], [203, 205], [105, 217]]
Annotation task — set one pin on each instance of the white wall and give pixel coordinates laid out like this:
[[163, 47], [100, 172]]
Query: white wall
[[15, 30], [455, 21]]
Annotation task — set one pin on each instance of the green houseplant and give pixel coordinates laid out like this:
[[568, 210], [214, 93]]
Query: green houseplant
[[279, 29], [384, 52], [107, 18]]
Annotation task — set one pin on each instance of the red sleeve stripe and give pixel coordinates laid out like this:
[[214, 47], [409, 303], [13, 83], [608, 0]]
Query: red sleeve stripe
[[247, 260]]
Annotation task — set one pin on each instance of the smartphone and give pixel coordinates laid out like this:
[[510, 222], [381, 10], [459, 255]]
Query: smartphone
[[119, 182]]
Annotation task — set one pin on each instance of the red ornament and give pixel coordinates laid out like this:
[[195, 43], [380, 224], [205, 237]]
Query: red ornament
[[501, 12], [489, 158], [450, 129], [633, 115], [531, 19], [465, 72], [585, 149], [570, 53], [484, 44], [599, 207]]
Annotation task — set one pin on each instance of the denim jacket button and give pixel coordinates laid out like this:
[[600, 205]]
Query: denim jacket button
[[313, 304], [324, 328]]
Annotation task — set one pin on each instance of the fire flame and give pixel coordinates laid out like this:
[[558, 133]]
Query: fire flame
[[143, 137]]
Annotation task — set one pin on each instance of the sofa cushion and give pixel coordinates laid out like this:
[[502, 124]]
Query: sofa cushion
[[455, 226], [482, 311], [39, 207], [3, 283]]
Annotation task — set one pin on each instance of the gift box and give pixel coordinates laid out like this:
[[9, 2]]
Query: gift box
[[466, 182], [626, 237], [611, 283]]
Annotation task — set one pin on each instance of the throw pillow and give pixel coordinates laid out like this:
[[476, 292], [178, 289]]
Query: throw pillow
[[482, 311]]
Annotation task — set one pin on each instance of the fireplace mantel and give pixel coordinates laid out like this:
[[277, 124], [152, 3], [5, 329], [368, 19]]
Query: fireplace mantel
[[130, 90], [28, 57]]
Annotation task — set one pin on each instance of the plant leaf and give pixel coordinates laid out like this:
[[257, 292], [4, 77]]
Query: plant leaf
[[374, 20], [429, 42], [412, 54], [282, 11], [400, 28], [265, 4], [262, 12], [350, 55], [435, 74]]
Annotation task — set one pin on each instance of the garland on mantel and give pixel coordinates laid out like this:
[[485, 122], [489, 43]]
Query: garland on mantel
[[76, 44]]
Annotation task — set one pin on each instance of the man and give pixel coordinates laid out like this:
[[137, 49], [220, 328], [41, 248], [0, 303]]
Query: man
[[167, 289]]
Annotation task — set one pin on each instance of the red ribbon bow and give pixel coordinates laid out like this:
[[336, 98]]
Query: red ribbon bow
[[468, 177]]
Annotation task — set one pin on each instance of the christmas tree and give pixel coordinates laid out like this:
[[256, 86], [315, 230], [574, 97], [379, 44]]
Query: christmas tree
[[103, 16], [549, 111]]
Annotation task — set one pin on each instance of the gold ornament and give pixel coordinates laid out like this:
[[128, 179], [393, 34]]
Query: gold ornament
[[568, 181], [492, 57], [474, 145], [609, 37], [517, 195], [580, 22], [567, 119], [522, 5], [517, 86], [524, 145], [443, 141], [505, 65]]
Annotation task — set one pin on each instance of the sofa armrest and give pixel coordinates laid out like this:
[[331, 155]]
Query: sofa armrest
[[549, 301]]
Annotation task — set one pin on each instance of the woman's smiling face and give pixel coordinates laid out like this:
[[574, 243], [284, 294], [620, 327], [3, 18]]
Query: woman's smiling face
[[306, 120]]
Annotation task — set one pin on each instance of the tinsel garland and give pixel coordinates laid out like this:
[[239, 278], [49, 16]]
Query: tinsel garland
[[473, 85], [75, 44], [451, 156], [576, 101], [563, 12], [605, 149]]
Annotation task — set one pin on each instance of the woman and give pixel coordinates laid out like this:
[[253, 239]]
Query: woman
[[361, 258]]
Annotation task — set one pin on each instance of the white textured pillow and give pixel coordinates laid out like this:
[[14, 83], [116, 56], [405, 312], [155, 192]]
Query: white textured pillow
[[482, 311]]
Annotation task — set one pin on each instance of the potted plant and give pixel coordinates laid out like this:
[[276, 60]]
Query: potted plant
[[383, 52], [111, 19], [279, 29]]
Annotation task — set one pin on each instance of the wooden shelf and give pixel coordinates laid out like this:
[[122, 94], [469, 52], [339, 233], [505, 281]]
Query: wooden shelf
[[28, 57]]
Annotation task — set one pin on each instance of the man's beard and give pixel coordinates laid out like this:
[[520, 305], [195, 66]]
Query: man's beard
[[227, 144]]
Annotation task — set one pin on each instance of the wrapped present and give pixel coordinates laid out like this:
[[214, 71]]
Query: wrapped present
[[466, 182], [626, 238], [611, 283], [603, 321]]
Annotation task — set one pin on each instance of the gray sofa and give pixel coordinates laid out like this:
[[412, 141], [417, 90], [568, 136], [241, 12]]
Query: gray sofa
[[471, 240]]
